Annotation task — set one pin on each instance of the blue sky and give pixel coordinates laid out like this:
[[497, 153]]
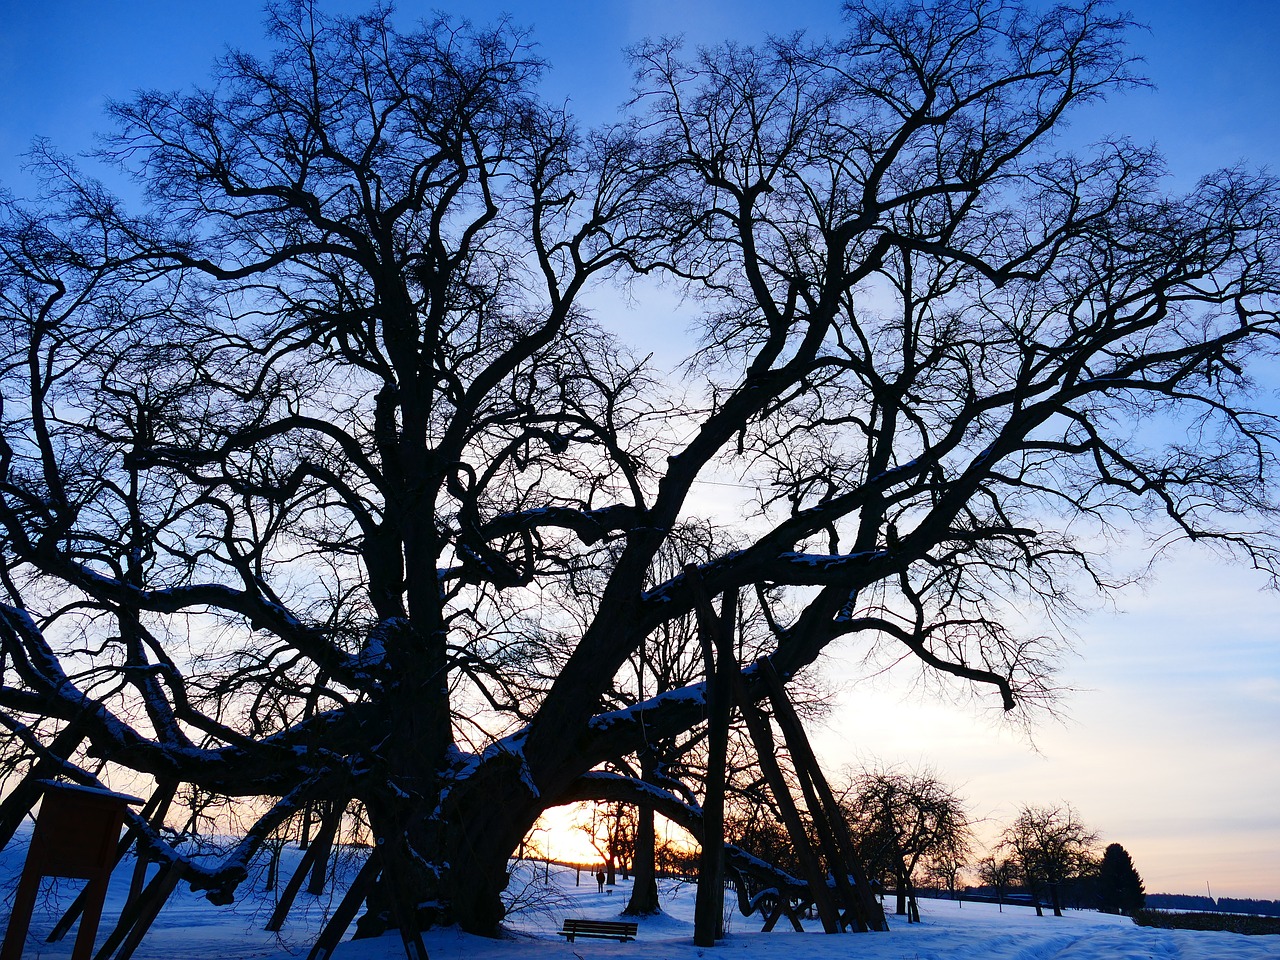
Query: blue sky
[[1214, 62], [1171, 741]]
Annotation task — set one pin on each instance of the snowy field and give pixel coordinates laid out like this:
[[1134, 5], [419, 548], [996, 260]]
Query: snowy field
[[191, 927]]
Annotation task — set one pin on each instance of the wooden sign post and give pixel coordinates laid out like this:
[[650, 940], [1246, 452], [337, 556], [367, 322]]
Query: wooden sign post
[[75, 836]]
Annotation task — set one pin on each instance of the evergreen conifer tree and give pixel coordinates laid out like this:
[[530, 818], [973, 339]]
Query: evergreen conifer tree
[[1120, 888]]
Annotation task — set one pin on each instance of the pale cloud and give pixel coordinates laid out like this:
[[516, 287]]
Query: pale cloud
[[1170, 744]]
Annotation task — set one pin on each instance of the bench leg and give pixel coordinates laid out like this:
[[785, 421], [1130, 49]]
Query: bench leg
[[96, 893]]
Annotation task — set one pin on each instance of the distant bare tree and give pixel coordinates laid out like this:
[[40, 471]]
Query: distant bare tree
[[610, 828], [1051, 847], [904, 821], [999, 873], [945, 868]]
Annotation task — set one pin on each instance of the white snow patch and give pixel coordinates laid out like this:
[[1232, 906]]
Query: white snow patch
[[545, 894]]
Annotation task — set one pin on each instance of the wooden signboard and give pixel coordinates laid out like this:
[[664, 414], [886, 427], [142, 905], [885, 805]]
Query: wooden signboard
[[75, 836]]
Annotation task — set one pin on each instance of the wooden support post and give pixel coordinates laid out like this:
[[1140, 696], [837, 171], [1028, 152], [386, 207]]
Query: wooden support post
[[165, 793], [866, 909], [846, 902], [762, 738], [304, 867], [137, 879], [779, 910], [139, 914], [304, 833], [803, 760], [333, 931], [331, 820]]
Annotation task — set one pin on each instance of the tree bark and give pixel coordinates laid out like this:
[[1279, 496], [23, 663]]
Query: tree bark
[[330, 821], [644, 892], [708, 911], [486, 816]]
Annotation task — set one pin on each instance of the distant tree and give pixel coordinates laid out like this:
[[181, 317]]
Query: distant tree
[[1181, 901], [610, 829], [1261, 908], [999, 873], [902, 821], [676, 859], [1119, 886], [943, 869], [1051, 848]]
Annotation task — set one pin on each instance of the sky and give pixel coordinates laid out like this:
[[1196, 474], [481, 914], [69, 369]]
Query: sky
[[1169, 737]]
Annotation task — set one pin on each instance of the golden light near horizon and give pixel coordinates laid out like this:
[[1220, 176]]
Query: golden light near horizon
[[559, 835], [562, 834]]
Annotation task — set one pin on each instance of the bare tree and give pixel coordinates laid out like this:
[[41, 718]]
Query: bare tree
[[999, 873], [1051, 848], [298, 463], [905, 821], [611, 830], [945, 868]]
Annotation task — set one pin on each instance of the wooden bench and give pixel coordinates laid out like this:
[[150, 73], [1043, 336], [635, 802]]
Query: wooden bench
[[619, 930]]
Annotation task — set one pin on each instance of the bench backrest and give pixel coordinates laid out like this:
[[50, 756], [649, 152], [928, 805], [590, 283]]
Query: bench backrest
[[601, 926]]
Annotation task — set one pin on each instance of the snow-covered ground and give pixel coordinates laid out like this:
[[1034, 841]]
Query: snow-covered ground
[[190, 927]]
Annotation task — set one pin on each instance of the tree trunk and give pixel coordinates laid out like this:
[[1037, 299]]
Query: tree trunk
[[401, 794], [708, 907], [324, 842], [273, 867], [486, 817], [644, 894], [304, 832]]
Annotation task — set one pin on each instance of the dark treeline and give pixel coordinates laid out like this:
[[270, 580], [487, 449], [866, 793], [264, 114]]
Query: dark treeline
[[1077, 898], [1185, 901], [1264, 908]]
